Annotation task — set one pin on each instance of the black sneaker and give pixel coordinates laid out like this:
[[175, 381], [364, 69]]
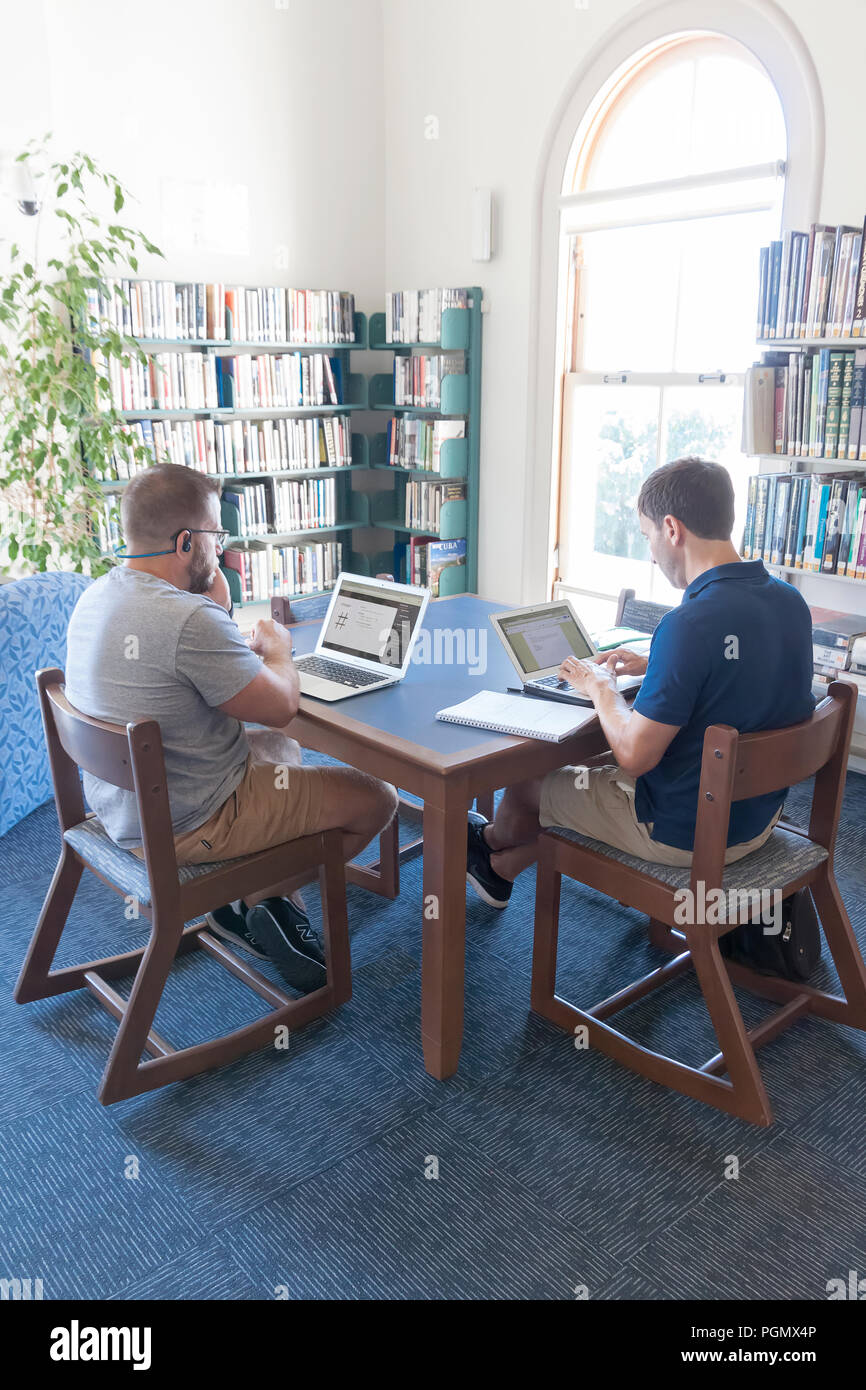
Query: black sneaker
[[231, 925], [284, 932], [490, 887]]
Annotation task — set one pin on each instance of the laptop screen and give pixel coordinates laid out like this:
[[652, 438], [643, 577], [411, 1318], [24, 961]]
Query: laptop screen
[[372, 622], [544, 639]]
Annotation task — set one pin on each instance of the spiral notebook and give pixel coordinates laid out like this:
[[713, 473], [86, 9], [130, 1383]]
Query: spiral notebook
[[519, 715]]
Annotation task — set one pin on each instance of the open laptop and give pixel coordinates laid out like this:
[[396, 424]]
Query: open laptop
[[539, 638], [366, 640]]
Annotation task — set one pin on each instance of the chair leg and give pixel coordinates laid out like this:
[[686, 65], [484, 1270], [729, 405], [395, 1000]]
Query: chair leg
[[49, 928], [752, 1102], [843, 946], [335, 922], [662, 936], [119, 1078], [546, 938]]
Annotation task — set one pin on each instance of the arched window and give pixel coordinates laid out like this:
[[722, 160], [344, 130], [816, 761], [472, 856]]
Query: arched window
[[675, 181]]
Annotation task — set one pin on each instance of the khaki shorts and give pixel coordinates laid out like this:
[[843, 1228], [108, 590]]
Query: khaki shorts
[[272, 803], [604, 810]]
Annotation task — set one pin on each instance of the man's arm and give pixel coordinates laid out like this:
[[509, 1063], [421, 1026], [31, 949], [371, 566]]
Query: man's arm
[[637, 743], [271, 698]]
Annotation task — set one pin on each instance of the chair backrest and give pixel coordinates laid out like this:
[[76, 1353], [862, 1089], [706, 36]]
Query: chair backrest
[[638, 613], [130, 758], [736, 766]]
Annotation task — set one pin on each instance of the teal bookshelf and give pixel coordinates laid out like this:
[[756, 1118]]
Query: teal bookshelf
[[459, 458]]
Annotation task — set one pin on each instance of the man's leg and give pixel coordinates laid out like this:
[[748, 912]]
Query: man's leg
[[512, 835]]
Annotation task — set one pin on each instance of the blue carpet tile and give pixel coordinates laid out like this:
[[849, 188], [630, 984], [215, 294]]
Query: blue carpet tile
[[339, 1169]]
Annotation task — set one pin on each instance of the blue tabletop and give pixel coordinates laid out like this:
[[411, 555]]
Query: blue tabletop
[[457, 654]]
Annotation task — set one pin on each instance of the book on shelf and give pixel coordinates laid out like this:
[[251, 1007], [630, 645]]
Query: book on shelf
[[415, 316], [238, 446], [285, 569], [817, 404], [443, 555], [418, 379], [814, 522], [201, 312], [279, 380], [280, 506], [418, 443], [813, 284], [424, 502]]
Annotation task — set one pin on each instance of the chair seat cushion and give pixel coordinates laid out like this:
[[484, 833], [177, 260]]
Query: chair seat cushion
[[124, 870], [784, 857]]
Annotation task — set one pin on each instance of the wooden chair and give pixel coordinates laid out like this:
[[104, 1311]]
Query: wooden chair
[[733, 767], [132, 758]]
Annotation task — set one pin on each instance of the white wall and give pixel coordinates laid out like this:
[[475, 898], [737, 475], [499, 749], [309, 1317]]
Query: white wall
[[496, 74], [282, 97]]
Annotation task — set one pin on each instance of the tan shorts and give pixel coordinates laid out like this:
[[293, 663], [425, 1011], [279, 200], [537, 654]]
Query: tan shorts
[[272, 803], [604, 810]]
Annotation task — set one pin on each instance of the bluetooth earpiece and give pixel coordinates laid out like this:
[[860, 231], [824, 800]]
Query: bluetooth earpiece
[[186, 547]]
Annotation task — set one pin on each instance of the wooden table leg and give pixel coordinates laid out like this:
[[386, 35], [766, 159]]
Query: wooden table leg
[[444, 934]]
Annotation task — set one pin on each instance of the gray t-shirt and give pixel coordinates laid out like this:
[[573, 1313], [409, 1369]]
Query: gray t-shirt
[[138, 648]]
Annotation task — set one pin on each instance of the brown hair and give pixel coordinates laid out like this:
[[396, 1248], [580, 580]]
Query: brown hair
[[698, 493], [160, 501]]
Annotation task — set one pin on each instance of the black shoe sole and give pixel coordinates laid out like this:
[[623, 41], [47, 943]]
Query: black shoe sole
[[484, 895], [298, 970], [232, 939]]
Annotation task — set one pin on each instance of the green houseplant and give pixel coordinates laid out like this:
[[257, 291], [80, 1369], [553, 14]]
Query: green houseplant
[[56, 411]]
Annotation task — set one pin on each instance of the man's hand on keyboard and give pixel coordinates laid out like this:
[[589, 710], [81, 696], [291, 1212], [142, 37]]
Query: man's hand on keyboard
[[584, 676], [622, 661]]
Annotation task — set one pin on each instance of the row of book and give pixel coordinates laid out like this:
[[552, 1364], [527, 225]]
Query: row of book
[[282, 506], [418, 379], [285, 569], [807, 521], [418, 443], [415, 316], [806, 404], [238, 446], [813, 284], [168, 309], [424, 503], [422, 560], [193, 381]]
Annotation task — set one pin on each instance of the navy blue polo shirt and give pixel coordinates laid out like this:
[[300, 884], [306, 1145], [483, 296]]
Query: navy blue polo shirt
[[738, 651]]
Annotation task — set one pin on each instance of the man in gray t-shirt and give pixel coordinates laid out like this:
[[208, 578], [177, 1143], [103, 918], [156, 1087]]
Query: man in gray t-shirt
[[153, 639], [140, 648]]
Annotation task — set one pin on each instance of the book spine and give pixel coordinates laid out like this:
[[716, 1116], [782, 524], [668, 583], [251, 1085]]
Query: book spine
[[845, 405], [775, 275], [802, 521], [858, 326], [834, 401]]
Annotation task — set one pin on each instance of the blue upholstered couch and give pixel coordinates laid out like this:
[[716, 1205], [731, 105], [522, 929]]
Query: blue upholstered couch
[[34, 614]]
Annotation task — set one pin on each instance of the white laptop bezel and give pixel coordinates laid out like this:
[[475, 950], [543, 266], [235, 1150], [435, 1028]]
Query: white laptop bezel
[[363, 663], [526, 676]]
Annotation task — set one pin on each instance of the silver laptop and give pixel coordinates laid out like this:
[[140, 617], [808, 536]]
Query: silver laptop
[[538, 639], [366, 639]]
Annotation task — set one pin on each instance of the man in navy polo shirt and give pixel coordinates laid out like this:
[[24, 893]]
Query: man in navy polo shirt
[[737, 650]]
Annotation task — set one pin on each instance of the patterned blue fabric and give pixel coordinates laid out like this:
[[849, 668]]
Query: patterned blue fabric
[[34, 614], [784, 857], [121, 868]]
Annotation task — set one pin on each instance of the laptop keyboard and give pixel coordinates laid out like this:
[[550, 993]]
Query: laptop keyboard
[[337, 671]]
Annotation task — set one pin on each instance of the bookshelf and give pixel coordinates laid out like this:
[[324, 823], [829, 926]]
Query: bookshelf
[[346, 513], [459, 458]]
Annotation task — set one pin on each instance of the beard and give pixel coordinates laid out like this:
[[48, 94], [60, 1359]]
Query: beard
[[202, 568]]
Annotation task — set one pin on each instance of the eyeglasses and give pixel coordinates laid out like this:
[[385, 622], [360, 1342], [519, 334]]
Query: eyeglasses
[[222, 536]]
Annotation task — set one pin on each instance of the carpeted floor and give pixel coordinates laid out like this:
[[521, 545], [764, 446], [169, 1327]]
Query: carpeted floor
[[306, 1174]]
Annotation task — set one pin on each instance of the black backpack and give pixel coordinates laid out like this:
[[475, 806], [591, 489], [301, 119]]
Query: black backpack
[[792, 953]]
